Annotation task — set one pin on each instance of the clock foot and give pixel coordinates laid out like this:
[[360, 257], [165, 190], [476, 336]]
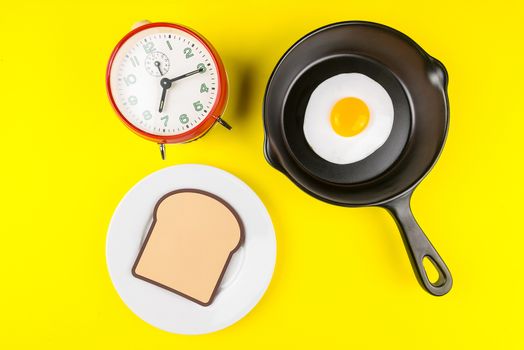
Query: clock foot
[[163, 151], [224, 123]]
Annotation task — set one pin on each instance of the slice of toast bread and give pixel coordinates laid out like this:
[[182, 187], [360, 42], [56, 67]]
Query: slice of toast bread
[[189, 244]]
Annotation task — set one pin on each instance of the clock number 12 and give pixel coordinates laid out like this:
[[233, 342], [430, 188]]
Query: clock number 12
[[149, 47]]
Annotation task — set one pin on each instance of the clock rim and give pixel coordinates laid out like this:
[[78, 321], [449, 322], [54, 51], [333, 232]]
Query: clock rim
[[216, 110]]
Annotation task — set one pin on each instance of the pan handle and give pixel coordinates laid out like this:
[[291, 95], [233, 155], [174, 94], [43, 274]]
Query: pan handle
[[419, 247]]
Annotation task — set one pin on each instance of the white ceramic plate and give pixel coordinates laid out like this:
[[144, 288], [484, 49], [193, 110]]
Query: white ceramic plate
[[247, 276]]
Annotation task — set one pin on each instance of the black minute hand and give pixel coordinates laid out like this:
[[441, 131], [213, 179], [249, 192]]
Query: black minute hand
[[185, 75]]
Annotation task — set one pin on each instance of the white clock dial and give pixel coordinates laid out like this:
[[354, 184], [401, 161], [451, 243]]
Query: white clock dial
[[164, 53]]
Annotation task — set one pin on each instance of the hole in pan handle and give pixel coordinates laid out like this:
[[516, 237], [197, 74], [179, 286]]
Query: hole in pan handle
[[419, 247]]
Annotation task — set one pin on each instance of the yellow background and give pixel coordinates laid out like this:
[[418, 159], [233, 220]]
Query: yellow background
[[342, 276]]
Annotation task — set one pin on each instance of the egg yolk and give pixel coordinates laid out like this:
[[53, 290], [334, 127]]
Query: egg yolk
[[349, 116]]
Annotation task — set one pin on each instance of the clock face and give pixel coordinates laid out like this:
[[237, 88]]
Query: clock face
[[164, 81]]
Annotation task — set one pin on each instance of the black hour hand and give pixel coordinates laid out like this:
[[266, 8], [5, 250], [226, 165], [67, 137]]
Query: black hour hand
[[162, 100]]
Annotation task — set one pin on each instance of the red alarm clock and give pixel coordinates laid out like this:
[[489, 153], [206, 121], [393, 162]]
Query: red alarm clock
[[167, 83]]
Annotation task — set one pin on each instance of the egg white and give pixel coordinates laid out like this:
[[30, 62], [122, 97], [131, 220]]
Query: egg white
[[319, 133]]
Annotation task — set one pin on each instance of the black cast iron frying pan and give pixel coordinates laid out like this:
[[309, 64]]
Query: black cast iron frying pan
[[416, 83]]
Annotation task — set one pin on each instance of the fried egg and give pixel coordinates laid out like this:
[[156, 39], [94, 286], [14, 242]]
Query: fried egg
[[348, 117]]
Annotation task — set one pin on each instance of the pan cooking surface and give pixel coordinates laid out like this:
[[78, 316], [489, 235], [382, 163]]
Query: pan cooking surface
[[295, 106]]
